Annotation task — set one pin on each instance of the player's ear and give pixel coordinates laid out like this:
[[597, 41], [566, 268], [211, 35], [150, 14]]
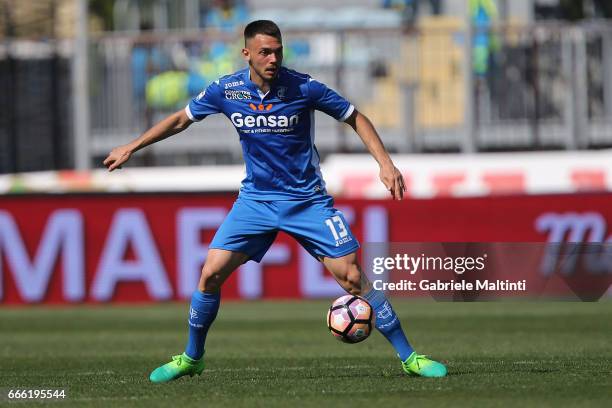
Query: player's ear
[[246, 54]]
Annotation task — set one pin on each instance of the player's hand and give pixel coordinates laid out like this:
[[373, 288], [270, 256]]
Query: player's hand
[[393, 180], [117, 157]]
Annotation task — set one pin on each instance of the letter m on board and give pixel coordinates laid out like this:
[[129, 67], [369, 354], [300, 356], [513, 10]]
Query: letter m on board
[[63, 235]]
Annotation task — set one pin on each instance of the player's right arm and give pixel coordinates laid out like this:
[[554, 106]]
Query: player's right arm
[[206, 103], [171, 125]]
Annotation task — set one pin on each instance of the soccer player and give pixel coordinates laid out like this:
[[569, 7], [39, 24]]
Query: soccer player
[[272, 109]]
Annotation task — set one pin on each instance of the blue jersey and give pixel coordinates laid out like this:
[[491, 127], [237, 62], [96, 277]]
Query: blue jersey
[[276, 130]]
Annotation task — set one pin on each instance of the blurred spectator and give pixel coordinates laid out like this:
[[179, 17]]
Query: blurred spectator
[[485, 45], [483, 14], [410, 8], [226, 15], [147, 60]]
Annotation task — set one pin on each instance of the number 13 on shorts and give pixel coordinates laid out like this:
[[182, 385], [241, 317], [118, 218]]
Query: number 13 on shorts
[[336, 225]]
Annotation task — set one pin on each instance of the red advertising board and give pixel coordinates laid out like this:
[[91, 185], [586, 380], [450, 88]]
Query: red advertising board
[[135, 248]]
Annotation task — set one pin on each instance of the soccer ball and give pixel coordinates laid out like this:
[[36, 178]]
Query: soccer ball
[[350, 319]]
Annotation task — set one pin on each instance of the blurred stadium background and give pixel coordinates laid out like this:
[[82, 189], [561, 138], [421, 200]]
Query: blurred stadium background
[[532, 76], [503, 105], [506, 105], [497, 112]]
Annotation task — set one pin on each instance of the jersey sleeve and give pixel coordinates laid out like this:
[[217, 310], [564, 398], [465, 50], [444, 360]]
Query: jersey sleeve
[[208, 102], [329, 101]]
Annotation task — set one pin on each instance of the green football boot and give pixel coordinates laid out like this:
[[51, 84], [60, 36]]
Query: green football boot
[[178, 367], [418, 364]]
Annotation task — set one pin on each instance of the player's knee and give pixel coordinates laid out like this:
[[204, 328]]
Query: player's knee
[[210, 280], [350, 278], [347, 273], [353, 278]]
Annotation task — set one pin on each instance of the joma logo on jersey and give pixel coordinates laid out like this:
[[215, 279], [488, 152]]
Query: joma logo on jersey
[[239, 120], [240, 95], [233, 84]]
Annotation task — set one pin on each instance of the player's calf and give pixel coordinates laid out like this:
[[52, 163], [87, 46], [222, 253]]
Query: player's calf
[[347, 272], [351, 279], [202, 312], [219, 265]]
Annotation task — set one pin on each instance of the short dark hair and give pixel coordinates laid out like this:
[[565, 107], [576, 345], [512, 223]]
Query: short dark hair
[[266, 27]]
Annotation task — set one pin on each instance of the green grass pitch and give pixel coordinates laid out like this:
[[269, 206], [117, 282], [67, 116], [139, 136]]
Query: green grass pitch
[[279, 354]]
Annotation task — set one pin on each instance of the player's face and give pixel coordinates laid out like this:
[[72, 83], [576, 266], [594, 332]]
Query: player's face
[[264, 55]]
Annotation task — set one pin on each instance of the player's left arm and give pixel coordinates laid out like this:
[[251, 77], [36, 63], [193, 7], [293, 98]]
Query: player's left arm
[[389, 174]]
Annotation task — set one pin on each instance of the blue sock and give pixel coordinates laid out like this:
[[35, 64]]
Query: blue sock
[[388, 323], [202, 313]]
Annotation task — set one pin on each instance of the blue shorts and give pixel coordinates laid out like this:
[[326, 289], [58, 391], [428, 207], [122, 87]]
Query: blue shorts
[[251, 227]]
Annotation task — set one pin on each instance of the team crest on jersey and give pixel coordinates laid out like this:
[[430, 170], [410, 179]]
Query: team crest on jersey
[[281, 92], [237, 95], [260, 107]]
